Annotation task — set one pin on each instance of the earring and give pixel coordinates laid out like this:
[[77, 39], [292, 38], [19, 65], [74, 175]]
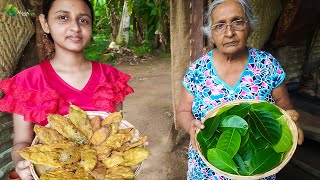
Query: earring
[[48, 46]]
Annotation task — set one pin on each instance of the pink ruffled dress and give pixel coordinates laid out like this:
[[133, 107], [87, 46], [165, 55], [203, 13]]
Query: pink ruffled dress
[[39, 91]]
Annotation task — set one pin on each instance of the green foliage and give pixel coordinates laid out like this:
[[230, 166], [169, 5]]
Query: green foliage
[[266, 125], [285, 141], [96, 47], [149, 14], [229, 142], [234, 122], [222, 160], [211, 125], [264, 161], [253, 141], [145, 48]]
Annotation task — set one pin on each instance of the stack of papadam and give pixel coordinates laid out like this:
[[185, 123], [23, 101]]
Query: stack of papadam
[[77, 147]]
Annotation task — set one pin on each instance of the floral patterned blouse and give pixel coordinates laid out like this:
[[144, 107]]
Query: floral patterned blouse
[[262, 74]]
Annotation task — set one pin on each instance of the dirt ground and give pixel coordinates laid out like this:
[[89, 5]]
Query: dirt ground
[[149, 108]]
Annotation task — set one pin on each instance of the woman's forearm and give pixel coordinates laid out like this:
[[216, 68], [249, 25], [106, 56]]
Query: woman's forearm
[[184, 120], [15, 155]]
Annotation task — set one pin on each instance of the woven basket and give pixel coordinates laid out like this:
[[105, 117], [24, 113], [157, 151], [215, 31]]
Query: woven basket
[[266, 13], [275, 170], [15, 32], [124, 125]]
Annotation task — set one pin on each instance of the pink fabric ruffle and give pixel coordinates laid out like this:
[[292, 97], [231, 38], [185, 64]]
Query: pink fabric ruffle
[[106, 95], [32, 104]]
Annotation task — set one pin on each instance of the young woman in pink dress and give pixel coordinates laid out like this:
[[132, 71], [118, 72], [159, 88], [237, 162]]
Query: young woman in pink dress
[[69, 77]]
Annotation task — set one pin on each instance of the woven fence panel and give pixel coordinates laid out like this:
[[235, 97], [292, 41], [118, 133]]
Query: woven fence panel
[[15, 31], [266, 13]]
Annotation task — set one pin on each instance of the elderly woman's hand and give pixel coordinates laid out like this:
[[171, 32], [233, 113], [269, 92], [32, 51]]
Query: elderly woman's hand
[[295, 116], [195, 124]]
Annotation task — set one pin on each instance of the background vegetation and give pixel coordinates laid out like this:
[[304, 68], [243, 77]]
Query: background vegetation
[[149, 26]]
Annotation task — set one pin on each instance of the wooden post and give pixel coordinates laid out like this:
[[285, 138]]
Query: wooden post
[[180, 44], [197, 39], [39, 33]]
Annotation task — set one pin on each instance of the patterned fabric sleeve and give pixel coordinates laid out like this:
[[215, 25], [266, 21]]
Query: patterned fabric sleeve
[[33, 105], [187, 79], [277, 73], [107, 94]]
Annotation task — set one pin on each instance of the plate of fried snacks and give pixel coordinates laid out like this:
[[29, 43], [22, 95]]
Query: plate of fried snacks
[[86, 145]]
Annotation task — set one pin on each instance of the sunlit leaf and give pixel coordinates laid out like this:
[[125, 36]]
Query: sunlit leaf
[[211, 125], [267, 107], [267, 125], [224, 109], [285, 142], [234, 122], [264, 161], [202, 144], [222, 161], [229, 142], [239, 110], [252, 127]]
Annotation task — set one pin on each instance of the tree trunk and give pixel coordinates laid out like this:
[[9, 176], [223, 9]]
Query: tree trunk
[[124, 28], [114, 18], [137, 32]]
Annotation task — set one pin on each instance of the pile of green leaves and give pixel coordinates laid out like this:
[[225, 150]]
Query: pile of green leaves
[[246, 139]]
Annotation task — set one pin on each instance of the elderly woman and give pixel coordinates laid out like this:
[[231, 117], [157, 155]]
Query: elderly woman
[[232, 71]]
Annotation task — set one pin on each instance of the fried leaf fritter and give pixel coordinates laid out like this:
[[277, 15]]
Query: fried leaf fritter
[[82, 174], [129, 134], [81, 120], [89, 158], [64, 126], [58, 174], [95, 123], [123, 171], [115, 117], [114, 141], [46, 154], [135, 156], [128, 146], [99, 172], [114, 128], [80, 148], [113, 177], [70, 155], [100, 136], [114, 160], [48, 135]]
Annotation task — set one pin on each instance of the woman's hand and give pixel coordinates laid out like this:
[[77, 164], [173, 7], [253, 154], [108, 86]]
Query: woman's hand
[[295, 116], [195, 124], [23, 170]]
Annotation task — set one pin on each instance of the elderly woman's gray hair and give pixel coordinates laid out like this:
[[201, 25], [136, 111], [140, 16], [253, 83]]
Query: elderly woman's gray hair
[[246, 9]]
